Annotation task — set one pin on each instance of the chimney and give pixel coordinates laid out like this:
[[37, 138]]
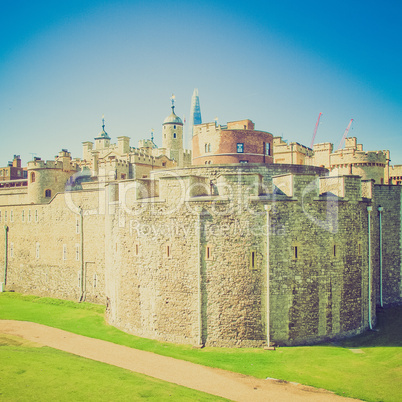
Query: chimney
[[17, 161]]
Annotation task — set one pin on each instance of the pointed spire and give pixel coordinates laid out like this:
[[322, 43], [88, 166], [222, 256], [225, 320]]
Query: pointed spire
[[103, 133], [195, 113]]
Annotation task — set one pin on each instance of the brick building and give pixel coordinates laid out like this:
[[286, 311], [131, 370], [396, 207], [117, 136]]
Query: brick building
[[236, 142]]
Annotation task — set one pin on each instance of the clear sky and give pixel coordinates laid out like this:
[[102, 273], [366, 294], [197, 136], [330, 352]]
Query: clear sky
[[63, 64]]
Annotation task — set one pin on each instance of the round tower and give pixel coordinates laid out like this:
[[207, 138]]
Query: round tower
[[46, 179], [172, 135]]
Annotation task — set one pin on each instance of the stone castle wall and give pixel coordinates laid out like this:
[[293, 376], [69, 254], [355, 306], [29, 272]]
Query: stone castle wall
[[44, 249], [182, 257], [390, 199], [14, 196], [169, 263]]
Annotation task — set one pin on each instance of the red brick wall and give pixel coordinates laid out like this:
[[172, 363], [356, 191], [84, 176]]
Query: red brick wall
[[224, 147]]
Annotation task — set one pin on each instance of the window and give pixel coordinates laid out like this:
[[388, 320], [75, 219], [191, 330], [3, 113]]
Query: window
[[29, 215], [208, 252], [37, 250], [168, 250], [295, 251], [334, 250], [137, 249], [243, 161], [32, 177], [95, 280], [206, 147], [253, 259], [123, 176], [36, 215], [267, 148], [11, 216], [64, 252], [174, 127], [11, 250], [5, 216], [77, 252], [23, 216], [240, 147], [48, 193], [209, 147], [174, 135], [359, 248]]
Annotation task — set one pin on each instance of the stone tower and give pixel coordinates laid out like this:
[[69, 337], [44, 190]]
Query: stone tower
[[46, 179], [102, 140], [172, 136]]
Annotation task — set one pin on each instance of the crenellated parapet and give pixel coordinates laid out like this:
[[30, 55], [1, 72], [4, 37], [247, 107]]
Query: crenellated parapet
[[46, 178], [395, 174]]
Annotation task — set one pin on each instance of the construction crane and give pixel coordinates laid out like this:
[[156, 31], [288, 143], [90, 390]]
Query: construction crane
[[345, 135], [315, 130]]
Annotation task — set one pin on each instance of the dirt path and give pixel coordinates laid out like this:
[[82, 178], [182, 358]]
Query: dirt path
[[236, 387]]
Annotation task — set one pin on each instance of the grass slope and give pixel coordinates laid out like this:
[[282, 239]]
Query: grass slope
[[374, 374], [31, 373]]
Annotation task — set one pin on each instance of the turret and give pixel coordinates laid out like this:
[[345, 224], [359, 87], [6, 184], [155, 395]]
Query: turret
[[123, 144], [45, 179], [172, 136], [102, 140]]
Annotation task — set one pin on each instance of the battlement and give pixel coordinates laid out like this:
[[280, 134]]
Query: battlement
[[297, 185], [114, 162], [346, 187], [50, 164], [206, 128], [369, 158], [240, 125], [323, 146], [146, 144], [283, 146]]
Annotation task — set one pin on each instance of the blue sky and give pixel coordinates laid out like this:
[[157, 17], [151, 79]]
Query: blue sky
[[63, 64]]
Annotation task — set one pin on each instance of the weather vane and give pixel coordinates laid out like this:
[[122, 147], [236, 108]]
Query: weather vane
[[172, 98]]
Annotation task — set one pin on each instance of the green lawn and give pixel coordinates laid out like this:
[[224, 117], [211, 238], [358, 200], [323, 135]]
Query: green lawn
[[375, 374], [30, 373]]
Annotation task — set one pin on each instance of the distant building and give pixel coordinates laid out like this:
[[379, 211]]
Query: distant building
[[292, 153], [13, 175], [352, 159], [13, 171], [120, 161], [395, 175], [195, 113]]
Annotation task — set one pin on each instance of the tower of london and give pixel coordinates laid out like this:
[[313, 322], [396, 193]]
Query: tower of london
[[244, 241]]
